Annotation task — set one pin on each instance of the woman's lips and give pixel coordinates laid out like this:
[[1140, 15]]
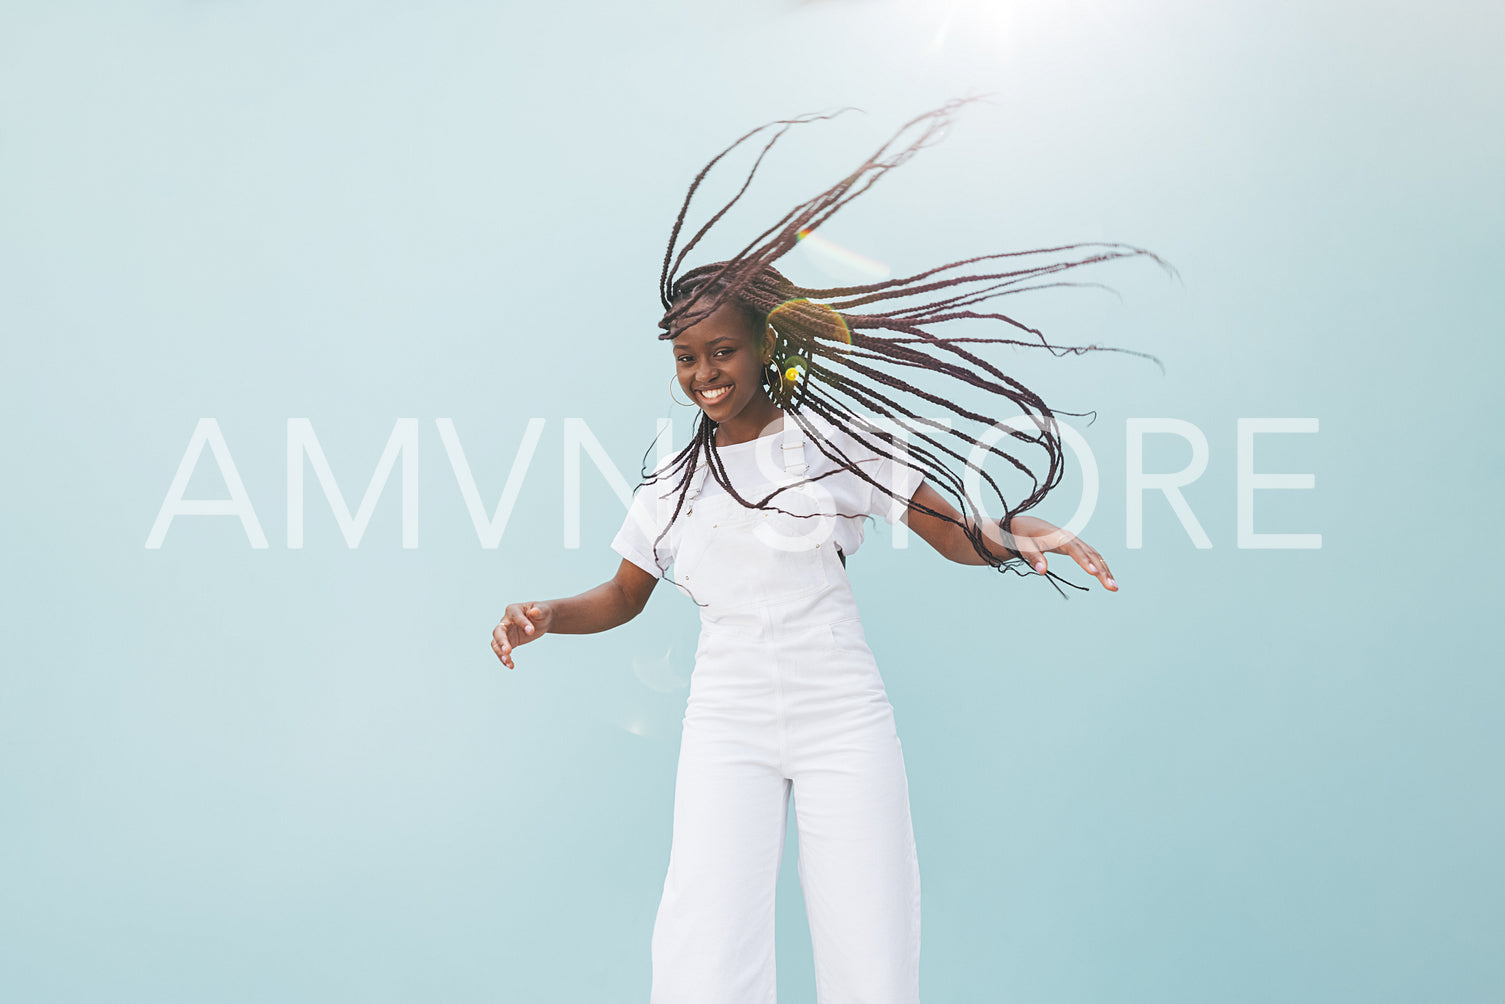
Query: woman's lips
[[714, 395]]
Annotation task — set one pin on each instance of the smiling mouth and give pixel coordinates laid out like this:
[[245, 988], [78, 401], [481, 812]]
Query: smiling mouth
[[714, 394]]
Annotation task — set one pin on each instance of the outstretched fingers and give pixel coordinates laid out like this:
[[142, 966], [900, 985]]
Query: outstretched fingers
[[1028, 548], [516, 628], [501, 644], [511, 632], [1092, 563]]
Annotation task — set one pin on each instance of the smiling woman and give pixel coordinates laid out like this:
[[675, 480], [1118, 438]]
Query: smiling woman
[[720, 362], [806, 429], [827, 359]]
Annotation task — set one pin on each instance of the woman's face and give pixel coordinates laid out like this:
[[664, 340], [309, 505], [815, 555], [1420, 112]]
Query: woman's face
[[720, 365]]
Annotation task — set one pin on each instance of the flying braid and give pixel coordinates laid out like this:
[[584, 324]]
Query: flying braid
[[844, 348]]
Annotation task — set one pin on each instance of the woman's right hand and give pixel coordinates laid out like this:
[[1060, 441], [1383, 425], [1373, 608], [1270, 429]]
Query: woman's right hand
[[522, 623]]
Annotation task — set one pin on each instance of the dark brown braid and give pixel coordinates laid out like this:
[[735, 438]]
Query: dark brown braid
[[851, 359]]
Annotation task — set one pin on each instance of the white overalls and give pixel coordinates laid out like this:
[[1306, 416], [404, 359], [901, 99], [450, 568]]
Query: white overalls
[[785, 696]]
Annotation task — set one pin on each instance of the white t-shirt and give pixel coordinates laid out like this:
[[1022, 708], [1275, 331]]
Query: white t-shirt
[[755, 468]]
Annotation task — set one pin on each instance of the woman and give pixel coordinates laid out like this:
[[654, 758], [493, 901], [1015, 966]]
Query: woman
[[757, 516]]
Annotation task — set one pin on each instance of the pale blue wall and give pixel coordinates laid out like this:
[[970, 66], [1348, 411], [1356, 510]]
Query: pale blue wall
[[300, 775]]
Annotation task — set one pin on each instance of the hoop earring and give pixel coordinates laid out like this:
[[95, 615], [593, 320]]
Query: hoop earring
[[672, 381], [775, 381]]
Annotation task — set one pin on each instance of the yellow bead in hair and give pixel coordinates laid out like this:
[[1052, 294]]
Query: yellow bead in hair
[[794, 369]]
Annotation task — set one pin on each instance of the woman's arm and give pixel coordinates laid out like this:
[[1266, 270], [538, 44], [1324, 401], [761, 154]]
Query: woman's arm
[[614, 602], [1031, 536]]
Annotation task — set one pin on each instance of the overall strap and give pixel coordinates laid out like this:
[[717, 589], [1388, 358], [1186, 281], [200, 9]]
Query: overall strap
[[793, 444], [697, 480]]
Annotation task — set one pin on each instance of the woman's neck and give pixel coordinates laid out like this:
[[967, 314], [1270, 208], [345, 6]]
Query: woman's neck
[[745, 428]]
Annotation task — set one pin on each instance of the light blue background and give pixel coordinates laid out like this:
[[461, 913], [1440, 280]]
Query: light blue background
[[301, 775]]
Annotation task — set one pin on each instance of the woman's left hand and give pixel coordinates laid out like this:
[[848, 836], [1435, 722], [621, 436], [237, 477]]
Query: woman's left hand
[[1033, 537]]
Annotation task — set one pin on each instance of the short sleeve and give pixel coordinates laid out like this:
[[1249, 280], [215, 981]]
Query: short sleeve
[[893, 474], [635, 540]]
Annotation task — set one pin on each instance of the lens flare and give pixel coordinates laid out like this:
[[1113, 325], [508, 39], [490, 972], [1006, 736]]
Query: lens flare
[[809, 318], [841, 264], [659, 672], [828, 325]]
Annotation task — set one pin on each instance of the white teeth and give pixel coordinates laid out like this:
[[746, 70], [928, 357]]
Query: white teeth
[[714, 395]]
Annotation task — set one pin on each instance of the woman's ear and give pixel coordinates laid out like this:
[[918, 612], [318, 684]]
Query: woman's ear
[[770, 339]]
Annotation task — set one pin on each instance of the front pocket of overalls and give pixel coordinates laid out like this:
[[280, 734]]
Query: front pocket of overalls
[[795, 564], [848, 635]]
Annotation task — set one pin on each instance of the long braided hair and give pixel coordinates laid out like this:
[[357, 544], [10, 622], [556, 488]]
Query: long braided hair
[[841, 362]]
